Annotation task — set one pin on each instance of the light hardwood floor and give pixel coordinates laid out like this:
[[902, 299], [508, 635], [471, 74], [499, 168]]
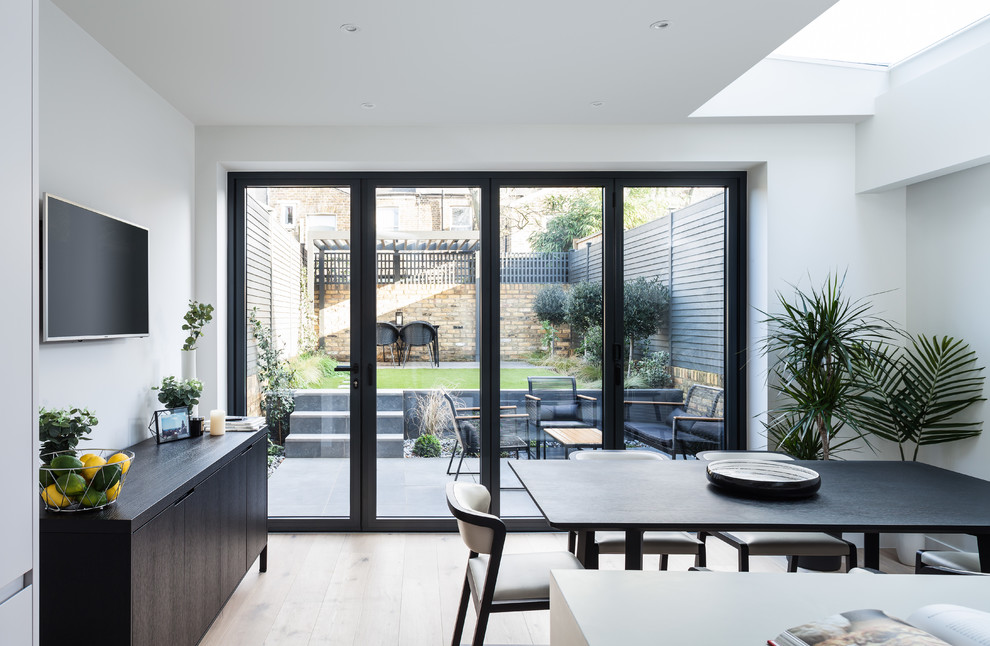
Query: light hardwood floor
[[395, 590]]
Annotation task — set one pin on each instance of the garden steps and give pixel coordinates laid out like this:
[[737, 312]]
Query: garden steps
[[319, 445], [340, 399], [335, 422]]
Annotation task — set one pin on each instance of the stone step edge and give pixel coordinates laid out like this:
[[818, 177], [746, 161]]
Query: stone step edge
[[316, 437], [314, 414]]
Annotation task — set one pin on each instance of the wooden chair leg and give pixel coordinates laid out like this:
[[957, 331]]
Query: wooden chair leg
[[461, 614], [571, 541], [482, 627], [851, 558], [792, 563], [663, 562]]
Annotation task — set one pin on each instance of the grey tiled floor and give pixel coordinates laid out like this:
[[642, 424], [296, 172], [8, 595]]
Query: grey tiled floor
[[407, 487]]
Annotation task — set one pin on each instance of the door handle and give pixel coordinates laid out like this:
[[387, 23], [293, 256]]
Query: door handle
[[352, 368]]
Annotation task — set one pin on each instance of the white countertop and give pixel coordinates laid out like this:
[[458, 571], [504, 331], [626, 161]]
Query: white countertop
[[605, 608]]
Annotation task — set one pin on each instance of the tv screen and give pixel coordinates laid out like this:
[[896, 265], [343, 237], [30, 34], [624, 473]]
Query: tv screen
[[94, 274]]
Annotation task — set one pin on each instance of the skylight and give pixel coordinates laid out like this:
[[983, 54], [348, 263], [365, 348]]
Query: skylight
[[881, 32]]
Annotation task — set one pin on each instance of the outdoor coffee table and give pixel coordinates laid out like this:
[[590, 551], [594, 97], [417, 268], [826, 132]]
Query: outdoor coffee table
[[574, 438], [674, 495]]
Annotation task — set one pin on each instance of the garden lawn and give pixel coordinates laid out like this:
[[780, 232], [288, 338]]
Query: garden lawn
[[451, 378]]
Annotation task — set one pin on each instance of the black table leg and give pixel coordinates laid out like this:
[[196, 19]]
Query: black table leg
[[586, 549], [983, 547], [871, 550], [634, 549]]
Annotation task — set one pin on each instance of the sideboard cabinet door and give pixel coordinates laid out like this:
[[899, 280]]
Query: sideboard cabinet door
[[257, 500], [157, 577], [233, 523]]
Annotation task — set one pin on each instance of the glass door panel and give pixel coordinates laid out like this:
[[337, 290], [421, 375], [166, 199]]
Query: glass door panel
[[550, 327], [427, 246], [298, 292], [674, 318]]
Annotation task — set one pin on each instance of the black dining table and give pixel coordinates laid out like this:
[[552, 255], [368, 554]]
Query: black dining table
[[871, 497]]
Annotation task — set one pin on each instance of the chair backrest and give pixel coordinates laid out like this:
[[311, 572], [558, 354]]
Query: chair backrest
[[386, 333], [417, 333], [711, 456], [553, 389], [704, 401], [469, 503], [467, 433], [618, 454]]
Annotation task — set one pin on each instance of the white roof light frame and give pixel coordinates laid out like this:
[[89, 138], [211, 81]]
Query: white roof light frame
[[881, 32]]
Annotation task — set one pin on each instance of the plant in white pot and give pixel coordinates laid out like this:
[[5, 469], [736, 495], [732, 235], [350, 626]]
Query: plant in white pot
[[914, 395], [196, 318]]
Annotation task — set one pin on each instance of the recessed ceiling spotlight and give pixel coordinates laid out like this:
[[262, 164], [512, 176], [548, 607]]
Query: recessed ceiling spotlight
[[660, 24], [350, 28], [368, 106], [597, 104]]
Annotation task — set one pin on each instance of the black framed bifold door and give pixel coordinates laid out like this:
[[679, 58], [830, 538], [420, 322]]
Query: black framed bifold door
[[403, 330]]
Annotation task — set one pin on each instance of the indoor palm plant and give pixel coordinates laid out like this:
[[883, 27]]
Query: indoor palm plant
[[813, 343], [913, 395]]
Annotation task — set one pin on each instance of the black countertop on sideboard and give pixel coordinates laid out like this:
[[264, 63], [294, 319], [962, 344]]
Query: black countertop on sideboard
[[159, 475]]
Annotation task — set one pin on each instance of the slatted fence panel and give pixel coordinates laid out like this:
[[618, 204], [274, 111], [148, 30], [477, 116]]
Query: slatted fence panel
[[259, 273], [697, 316]]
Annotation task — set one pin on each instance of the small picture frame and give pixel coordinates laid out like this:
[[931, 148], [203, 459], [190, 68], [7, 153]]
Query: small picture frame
[[171, 424]]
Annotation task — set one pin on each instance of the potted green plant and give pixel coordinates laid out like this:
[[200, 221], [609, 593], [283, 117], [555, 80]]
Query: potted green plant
[[913, 396], [178, 394], [196, 318], [60, 429]]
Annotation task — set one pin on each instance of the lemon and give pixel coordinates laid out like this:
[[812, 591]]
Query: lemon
[[71, 485], [54, 498], [106, 476], [112, 492], [120, 457], [92, 462]]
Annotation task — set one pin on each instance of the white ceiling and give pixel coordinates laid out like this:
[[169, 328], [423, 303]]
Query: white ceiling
[[287, 62]]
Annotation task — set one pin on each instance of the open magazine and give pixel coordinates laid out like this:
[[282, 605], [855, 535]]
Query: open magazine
[[934, 625]]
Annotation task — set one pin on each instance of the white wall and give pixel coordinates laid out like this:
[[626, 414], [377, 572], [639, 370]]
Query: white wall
[[948, 228], [929, 124], [802, 202], [19, 325], [109, 142]]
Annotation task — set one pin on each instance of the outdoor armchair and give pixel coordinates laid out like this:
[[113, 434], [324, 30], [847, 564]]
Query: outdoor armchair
[[553, 402], [468, 435], [679, 428]]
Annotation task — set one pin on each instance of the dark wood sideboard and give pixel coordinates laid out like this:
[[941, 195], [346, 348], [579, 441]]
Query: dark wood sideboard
[[157, 566]]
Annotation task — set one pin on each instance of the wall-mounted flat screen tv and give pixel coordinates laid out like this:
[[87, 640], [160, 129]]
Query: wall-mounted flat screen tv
[[94, 274]]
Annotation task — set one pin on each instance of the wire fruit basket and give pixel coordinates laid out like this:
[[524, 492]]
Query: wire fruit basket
[[93, 480]]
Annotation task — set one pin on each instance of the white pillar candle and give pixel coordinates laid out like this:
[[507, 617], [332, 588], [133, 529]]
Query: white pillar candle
[[218, 422]]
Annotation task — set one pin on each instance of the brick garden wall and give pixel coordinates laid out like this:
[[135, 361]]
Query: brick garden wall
[[454, 309]]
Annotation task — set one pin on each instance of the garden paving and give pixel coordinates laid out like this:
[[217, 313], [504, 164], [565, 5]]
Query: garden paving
[[411, 487]]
